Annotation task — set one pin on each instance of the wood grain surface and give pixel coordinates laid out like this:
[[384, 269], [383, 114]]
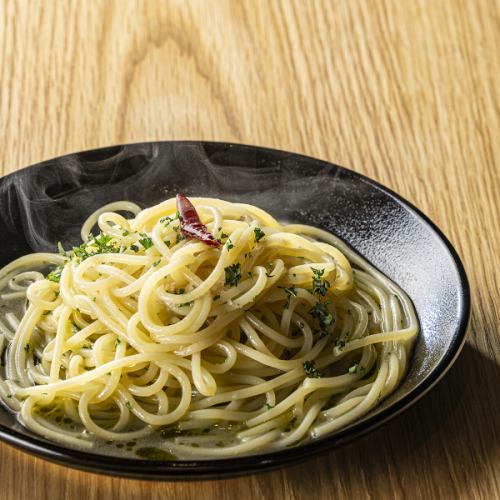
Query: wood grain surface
[[404, 91]]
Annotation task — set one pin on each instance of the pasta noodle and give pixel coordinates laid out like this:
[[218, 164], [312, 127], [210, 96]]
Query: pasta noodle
[[278, 335]]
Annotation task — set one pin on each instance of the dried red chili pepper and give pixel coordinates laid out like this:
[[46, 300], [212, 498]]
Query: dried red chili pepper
[[191, 224]]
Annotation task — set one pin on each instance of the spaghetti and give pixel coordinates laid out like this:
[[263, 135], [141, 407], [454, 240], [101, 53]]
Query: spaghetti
[[271, 335]]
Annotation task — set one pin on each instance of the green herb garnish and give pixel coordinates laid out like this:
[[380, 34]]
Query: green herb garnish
[[311, 370], [95, 245], [233, 274], [146, 241], [259, 234], [168, 220], [55, 274], [320, 286], [321, 313]]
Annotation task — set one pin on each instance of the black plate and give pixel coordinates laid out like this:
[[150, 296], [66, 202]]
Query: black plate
[[49, 202]]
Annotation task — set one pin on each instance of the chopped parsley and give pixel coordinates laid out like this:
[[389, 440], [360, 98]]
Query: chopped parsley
[[55, 274], [134, 248], [146, 241], [117, 342], [321, 313], [259, 234], [180, 237], [168, 220], [229, 244], [156, 263], [102, 243], [320, 286], [233, 274], [311, 370], [128, 405], [125, 232]]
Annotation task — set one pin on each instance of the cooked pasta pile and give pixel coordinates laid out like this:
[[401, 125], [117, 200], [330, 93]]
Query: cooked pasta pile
[[279, 334]]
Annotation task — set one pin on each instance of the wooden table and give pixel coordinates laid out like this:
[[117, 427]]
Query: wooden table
[[404, 91]]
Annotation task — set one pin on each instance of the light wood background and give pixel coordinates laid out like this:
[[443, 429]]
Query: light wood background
[[404, 91]]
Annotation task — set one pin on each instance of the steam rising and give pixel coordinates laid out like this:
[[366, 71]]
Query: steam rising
[[47, 203]]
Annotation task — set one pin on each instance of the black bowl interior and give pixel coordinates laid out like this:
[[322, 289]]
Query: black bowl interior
[[48, 202]]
